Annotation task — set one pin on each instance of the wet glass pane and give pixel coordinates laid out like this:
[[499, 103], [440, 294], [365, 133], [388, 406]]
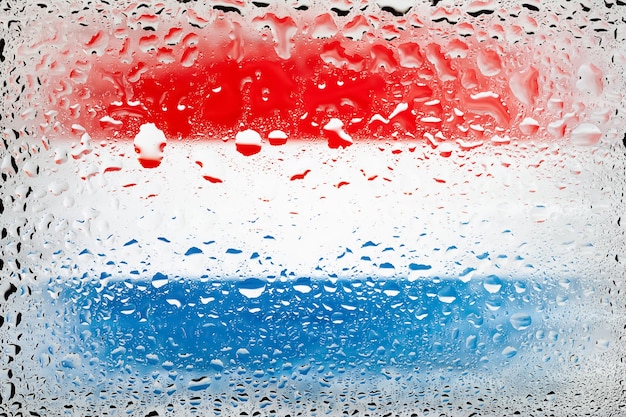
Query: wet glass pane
[[307, 208]]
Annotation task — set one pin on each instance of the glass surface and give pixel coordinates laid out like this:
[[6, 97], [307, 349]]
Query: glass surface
[[306, 208]]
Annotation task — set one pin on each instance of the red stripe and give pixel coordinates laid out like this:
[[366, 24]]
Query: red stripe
[[215, 81]]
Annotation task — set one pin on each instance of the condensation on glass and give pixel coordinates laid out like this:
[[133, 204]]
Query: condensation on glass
[[339, 207]]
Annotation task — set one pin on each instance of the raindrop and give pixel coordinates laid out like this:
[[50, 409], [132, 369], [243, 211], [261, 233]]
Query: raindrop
[[493, 303], [586, 134], [71, 361], [419, 267], [447, 295], [248, 142], [509, 351], [391, 289], [492, 284], [252, 287], [471, 342], [489, 63], [520, 321], [337, 137], [198, 384], [303, 285], [159, 280], [337, 317], [277, 137], [149, 145], [590, 79]]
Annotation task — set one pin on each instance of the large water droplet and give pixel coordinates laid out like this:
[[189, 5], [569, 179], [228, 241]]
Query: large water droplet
[[492, 284], [336, 135], [149, 144], [447, 295], [489, 62], [520, 321], [586, 134], [509, 352], [303, 285], [391, 289], [590, 79], [198, 384], [252, 287], [248, 142]]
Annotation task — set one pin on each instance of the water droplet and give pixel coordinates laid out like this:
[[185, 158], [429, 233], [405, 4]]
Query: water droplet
[[242, 353], [252, 287], [419, 267], [391, 289], [520, 287], [248, 142], [493, 303], [211, 165], [174, 302], [217, 364], [471, 342], [509, 352], [189, 57], [447, 295], [128, 309], [529, 126], [586, 134], [337, 137], [283, 30], [303, 285], [520, 321], [193, 251], [58, 187], [492, 284], [590, 79], [277, 137], [489, 62], [602, 345], [488, 102], [71, 361], [159, 280], [337, 317], [149, 145], [198, 384], [525, 86]]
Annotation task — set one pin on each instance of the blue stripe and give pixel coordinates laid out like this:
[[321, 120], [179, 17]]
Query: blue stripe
[[273, 324]]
